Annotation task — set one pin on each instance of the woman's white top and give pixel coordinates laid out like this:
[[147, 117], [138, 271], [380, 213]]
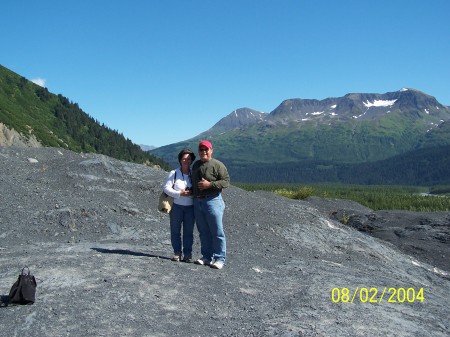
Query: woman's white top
[[182, 182]]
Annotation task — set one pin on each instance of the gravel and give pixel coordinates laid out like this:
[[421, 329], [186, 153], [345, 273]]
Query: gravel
[[87, 227]]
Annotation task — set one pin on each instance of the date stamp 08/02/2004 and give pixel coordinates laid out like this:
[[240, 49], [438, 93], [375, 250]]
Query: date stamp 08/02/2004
[[375, 295]]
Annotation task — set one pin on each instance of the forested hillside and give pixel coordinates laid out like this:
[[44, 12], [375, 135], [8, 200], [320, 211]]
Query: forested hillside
[[423, 167], [56, 121]]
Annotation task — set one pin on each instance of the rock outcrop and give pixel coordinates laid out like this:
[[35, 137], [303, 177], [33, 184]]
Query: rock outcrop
[[10, 137]]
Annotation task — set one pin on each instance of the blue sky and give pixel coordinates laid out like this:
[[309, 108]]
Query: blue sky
[[164, 71]]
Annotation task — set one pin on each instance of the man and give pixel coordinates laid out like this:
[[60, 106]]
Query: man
[[209, 177]]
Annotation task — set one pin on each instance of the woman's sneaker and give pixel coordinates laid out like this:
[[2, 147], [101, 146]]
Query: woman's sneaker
[[187, 259], [176, 258], [203, 262]]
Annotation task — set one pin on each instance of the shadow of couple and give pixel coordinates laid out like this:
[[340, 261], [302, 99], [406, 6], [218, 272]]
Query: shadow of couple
[[128, 252]]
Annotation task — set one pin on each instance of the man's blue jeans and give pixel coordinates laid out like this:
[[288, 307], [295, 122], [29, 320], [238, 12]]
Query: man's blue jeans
[[182, 216], [208, 216]]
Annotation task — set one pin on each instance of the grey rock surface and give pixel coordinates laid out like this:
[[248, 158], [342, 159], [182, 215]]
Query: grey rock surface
[[423, 235], [87, 227]]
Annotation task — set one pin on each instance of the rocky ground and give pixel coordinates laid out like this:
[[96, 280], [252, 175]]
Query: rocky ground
[[423, 235], [88, 228]]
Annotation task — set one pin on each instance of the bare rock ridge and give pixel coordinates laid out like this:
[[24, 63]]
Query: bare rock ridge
[[88, 228], [423, 235]]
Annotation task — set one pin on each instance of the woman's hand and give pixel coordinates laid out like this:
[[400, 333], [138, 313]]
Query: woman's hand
[[186, 192]]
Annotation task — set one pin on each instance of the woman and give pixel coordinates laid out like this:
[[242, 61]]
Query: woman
[[179, 186]]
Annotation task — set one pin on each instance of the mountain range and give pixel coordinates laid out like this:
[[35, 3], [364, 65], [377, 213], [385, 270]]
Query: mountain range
[[330, 140]]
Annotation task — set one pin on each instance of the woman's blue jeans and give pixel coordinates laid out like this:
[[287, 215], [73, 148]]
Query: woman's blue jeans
[[182, 216], [208, 216]]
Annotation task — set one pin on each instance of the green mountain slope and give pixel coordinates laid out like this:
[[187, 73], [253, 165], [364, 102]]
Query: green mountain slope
[[320, 141], [55, 121]]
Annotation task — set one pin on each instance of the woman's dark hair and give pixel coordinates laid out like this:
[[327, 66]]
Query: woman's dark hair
[[183, 152]]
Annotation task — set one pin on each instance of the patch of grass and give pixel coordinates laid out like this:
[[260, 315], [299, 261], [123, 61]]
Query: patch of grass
[[376, 197], [301, 193]]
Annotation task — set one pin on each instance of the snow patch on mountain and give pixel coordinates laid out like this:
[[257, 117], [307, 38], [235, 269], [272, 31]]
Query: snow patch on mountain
[[379, 103]]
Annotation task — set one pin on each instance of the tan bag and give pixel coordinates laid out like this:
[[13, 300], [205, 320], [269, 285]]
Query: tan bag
[[165, 203]]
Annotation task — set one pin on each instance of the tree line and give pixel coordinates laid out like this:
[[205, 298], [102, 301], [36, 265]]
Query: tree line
[[423, 167]]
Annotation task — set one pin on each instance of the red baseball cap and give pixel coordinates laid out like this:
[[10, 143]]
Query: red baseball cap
[[205, 143]]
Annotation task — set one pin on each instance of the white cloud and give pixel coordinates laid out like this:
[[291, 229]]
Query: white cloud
[[39, 81]]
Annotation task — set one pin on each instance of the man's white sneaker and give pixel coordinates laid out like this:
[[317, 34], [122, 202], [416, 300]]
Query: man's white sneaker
[[217, 265]]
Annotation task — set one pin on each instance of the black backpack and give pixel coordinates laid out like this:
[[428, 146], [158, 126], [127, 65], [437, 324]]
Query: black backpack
[[23, 290]]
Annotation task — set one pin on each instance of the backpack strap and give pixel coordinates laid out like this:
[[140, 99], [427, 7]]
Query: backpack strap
[[174, 178]]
